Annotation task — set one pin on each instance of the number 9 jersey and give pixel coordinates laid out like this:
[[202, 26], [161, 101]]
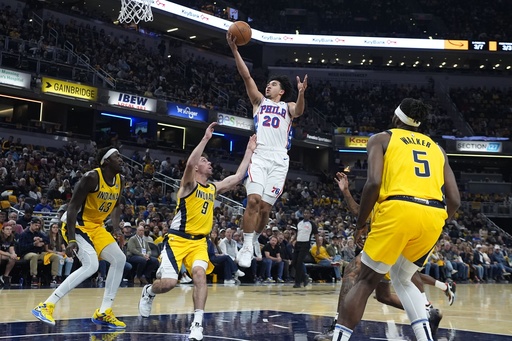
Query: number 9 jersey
[[194, 213], [413, 166]]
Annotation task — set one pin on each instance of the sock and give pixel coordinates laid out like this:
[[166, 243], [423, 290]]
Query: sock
[[198, 316], [341, 333], [248, 238], [336, 319], [150, 291], [420, 330], [106, 304], [441, 285]]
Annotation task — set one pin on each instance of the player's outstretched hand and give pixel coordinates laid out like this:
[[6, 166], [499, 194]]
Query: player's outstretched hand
[[209, 131], [342, 180], [301, 86], [252, 143]]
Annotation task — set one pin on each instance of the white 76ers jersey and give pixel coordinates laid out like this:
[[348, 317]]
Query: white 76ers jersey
[[272, 123]]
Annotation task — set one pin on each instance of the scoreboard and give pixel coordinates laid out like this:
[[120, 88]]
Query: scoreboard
[[491, 45]]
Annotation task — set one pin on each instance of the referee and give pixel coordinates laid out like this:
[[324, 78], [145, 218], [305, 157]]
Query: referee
[[305, 228]]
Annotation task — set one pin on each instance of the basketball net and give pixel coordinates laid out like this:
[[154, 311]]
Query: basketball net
[[135, 11]]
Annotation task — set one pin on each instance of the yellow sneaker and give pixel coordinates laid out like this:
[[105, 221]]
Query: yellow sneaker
[[107, 319], [44, 312]]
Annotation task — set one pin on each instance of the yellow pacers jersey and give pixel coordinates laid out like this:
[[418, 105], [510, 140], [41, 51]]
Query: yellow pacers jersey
[[99, 204], [194, 213], [413, 166]]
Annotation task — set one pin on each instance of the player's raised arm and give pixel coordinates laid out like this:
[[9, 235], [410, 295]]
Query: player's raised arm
[[188, 181], [231, 181], [297, 108], [254, 94]]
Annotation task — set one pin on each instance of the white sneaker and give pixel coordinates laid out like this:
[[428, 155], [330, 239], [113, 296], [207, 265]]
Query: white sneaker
[[185, 279], [196, 332], [244, 256], [240, 273], [146, 302], [229, 281]]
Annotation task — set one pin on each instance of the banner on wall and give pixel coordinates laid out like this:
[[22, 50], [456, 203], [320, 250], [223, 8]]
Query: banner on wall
[[235, 121], [479, 146], [188, 112], [15, 78], [69, 89], [121, 99], [356, 141]]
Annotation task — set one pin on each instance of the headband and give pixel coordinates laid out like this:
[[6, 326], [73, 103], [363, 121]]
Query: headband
[[406, 119], [107, 155]]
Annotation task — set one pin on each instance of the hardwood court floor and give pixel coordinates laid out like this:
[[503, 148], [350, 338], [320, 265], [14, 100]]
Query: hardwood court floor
[[265, 312]]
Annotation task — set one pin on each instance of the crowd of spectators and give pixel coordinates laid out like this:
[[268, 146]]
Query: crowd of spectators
[[473, 20], [366, 109], [488, 111]]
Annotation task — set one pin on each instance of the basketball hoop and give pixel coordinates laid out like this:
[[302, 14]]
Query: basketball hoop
[[135, 11]]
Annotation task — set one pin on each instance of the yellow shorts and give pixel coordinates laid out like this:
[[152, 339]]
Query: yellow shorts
[[185, 251], [96, 235], [402, 227]]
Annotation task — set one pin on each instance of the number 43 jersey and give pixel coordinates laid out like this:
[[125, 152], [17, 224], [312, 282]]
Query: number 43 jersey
[[99, 204], [413, 166], [272, 123], [194, 213]]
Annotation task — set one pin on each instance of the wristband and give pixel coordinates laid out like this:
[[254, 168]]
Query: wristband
[[72, 241]]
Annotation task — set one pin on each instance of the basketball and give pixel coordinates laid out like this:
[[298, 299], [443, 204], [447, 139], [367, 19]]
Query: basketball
[[242, 31]]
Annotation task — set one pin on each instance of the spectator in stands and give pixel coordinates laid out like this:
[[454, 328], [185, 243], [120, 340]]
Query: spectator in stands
[[286, 255], [263, 238], [229, 268], [272, 259], [228, 246], [7, 253], [22, 205], [321, 257], [57, 247], [25, 218], [433, 263], [32, 246], [499, 260], [138, 253], [44, 205]]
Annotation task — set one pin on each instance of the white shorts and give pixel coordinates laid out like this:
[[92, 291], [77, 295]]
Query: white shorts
[[267, 174]]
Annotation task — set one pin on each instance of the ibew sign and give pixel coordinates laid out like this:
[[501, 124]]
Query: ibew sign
[[121, 99], [188, 112]]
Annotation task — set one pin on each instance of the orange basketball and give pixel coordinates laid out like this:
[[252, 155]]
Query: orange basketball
[[242, 31]]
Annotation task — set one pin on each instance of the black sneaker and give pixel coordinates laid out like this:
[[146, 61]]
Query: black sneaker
[[34, 282], [434, 319], [6, 281], [327, 336]]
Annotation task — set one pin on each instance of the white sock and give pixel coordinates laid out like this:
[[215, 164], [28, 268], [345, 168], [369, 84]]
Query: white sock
[[150, 291], [106, 304], [198, 316], [441, 285], [420, 330], [248, 238], [345, 333]]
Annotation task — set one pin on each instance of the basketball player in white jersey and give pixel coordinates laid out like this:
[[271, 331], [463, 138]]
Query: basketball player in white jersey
[[273, 117]]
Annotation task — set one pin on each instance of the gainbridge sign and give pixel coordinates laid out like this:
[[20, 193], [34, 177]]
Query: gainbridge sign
[[356, 141], [69, 89]]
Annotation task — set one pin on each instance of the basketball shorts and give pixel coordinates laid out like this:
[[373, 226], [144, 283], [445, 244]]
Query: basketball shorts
[[178, 251], [404, 228], [267, 174], [96, 235]]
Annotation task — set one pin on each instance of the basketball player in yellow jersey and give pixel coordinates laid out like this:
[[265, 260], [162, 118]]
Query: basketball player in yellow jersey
[[186, 240], [95, 198], [411, 180]]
